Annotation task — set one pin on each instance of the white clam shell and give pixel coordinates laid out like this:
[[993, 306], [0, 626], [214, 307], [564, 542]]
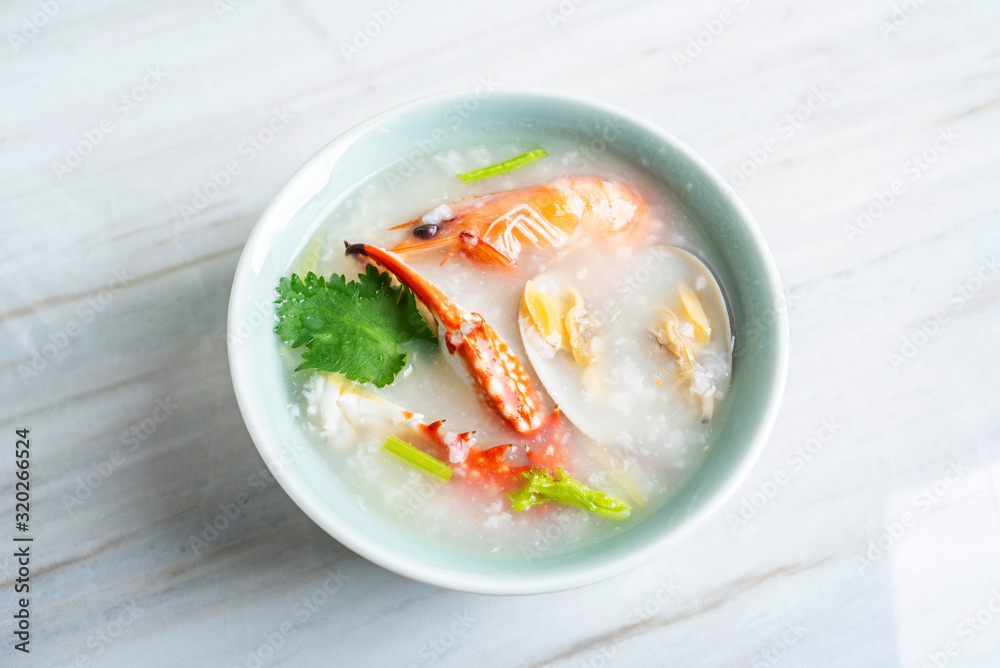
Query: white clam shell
[[632, 392]]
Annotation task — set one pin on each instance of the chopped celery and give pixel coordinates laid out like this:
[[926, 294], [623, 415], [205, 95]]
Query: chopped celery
[[505, 166], [417, 458], [542, 487]]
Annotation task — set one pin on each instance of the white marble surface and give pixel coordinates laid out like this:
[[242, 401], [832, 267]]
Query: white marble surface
[[106, 265]]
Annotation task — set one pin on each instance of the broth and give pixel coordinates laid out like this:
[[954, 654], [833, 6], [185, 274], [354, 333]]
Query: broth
[[644, 450]]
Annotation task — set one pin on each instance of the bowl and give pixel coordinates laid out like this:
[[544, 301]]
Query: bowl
[[408, 133]]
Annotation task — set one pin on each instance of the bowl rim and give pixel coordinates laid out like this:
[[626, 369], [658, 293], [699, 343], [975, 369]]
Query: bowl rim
[[527, 583]]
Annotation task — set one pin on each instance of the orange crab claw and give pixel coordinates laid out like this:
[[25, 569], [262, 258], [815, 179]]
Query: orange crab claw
[[480, 466], [496, 370], [545, 448], [489, 464]]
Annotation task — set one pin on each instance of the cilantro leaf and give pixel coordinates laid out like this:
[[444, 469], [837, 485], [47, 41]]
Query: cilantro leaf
[[357, 328], [542, 487]]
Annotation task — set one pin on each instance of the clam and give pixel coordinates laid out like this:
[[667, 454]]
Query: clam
[[632, 352]]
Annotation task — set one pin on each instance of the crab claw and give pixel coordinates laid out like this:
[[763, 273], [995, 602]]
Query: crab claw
[[498, 373], [481, 466], [545, 448]]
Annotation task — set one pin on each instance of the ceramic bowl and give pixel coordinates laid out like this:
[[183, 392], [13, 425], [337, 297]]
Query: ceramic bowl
[[737, 253]]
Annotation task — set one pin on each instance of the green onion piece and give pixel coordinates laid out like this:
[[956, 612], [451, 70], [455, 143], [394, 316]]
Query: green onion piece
[[563, 488], [417, 458], [505, 166]]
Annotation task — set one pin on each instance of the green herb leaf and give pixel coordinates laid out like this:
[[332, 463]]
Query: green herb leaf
[[506, 166], [357, 328], [417, 458], [542, 487]]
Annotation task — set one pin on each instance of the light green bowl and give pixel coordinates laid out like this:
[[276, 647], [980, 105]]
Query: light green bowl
[[409, 132]]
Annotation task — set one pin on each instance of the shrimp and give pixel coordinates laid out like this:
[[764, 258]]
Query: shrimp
[[496, 229], [495, 369]]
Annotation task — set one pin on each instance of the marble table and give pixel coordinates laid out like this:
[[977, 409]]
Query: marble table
[[863, 136]]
